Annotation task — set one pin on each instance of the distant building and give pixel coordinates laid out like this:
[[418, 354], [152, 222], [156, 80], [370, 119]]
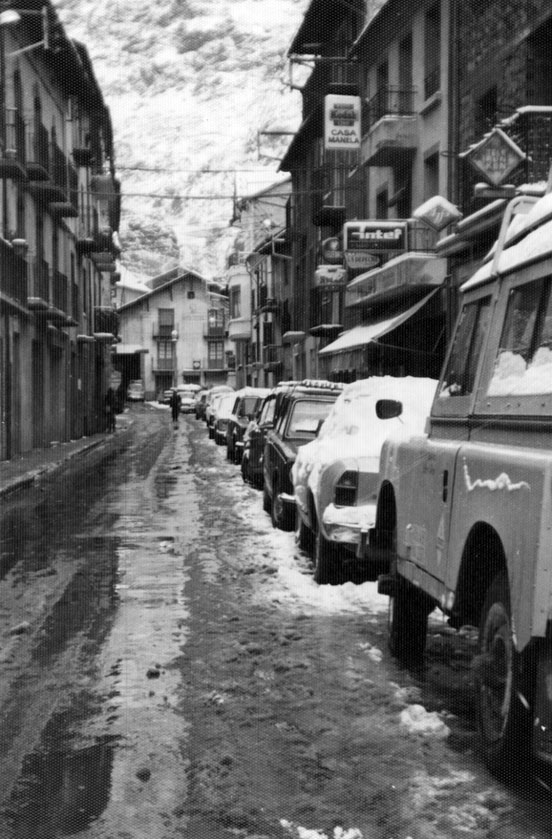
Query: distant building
[[59, 216], [259, 289], [175, 334]]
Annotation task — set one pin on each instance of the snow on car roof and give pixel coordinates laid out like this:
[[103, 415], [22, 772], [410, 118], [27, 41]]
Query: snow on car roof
[[535, 244], [352, 429]]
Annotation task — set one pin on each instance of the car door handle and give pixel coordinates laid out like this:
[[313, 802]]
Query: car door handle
[[445, 485]]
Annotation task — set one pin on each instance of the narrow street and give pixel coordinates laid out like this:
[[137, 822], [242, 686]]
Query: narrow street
[[168, 668]]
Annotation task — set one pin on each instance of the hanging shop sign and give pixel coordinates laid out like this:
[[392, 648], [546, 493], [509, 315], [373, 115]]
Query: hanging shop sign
[[331, 251], [341, 122], [495, 157], [438, 212], [361, 259], [375, 236], [330, 276]]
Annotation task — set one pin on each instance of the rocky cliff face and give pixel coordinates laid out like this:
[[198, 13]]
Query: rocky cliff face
[[189, 84]]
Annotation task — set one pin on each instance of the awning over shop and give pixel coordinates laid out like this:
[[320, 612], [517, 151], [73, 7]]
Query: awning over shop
[[407, 271], [367, 333], [129, 349]]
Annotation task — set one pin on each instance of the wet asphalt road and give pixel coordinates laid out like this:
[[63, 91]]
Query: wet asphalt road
[[157, 682]]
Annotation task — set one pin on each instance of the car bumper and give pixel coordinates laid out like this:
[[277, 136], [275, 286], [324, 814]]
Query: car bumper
[[350, 525]]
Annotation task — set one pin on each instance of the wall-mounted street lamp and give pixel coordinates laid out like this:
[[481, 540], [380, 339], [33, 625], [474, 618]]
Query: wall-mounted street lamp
[[11, 16]]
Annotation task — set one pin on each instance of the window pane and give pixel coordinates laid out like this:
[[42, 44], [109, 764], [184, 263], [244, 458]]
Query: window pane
[[460, 373], [524, 360]]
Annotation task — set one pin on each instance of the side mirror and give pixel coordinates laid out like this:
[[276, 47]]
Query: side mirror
[[388, 408]]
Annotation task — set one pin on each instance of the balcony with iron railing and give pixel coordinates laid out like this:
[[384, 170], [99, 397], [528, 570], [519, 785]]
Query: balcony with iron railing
[[272, 356], [163, 331], [164, 365], [389, 127], [328, 77], [13, 274]]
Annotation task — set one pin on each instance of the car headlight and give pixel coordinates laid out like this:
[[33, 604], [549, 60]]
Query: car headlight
[[346, 489]]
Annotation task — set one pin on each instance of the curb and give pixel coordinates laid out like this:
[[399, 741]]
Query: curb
[[32, 477]]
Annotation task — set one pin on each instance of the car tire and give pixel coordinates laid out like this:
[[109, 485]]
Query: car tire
[[278, 513], [244, 469], [504, 720], [409, 610], [326, 562], [237, 452], [267, 503], [304, 538]]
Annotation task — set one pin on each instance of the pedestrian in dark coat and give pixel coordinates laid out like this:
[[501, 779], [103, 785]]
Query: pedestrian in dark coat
[[175, 402]]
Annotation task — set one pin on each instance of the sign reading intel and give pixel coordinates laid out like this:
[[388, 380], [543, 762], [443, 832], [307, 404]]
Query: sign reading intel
[[341, 122], [375, 236]]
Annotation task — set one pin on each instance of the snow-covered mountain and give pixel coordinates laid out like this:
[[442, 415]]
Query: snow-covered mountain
[[189, 84]]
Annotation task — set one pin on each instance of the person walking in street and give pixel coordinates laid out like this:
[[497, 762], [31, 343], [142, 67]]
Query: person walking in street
[[110, 408], [174, 402]]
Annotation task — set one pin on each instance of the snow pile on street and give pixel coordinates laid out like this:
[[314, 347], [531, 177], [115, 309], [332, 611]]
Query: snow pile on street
[[417, 720], [306, 833]]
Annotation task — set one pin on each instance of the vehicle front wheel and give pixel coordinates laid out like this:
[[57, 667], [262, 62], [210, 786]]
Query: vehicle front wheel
[[303, 535], [245, 469], [504, 692], [278, 513], [327, 570], [409, 611], [267, 504]]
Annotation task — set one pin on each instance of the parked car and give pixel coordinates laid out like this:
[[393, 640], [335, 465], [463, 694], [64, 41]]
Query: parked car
[[465, 511], [246, 404], [222, 410], [298, 413], [187, 399], [213, 393], [254, 437], [200, 401], [135, 391], [335, 477]]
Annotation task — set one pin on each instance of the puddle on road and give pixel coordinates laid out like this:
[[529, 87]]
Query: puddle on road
[[117, 766]]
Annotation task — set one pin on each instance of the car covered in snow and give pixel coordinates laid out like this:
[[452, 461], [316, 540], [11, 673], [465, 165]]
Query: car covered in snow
[[214, 393], [187, 399], [220, 417], [299, 411], [135, 391], [335, 477], [246, 404]]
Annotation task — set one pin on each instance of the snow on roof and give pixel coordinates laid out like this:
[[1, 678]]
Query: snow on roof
[[535, 244], [352, 429]]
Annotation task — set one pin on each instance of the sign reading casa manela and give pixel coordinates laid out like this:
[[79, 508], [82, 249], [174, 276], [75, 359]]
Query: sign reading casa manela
[[341, 122]]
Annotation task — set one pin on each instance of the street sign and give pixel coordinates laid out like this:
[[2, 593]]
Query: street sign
[[341, 122], [495, 157]]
